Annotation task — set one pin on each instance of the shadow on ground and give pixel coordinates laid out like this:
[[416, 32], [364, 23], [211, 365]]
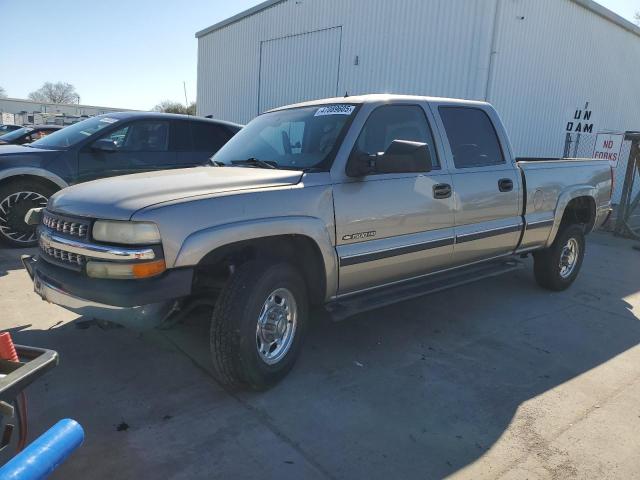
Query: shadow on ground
[[416, 390]]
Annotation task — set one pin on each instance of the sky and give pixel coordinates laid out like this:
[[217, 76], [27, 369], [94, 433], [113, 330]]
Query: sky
[[120, 53]]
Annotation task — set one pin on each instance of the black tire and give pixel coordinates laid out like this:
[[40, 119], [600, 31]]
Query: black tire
[[16, 199], [234, 335], [547, 263]]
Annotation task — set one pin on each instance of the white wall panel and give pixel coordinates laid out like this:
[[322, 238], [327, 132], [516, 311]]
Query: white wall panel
[[432, 47], [550, 57], [299, 67]]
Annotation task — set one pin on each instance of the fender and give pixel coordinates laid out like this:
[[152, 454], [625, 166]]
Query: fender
[[35, 172], [565, 197], [200, 243]]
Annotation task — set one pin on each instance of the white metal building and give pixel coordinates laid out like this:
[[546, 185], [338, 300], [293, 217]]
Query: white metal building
[[537, 61]]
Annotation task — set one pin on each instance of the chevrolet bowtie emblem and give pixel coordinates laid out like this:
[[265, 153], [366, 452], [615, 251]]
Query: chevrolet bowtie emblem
[[45, 240]]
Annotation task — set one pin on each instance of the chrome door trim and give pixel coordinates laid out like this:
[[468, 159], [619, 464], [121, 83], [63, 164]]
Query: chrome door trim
[[539, 224], [383, 285], [394, 252], [469, 237]]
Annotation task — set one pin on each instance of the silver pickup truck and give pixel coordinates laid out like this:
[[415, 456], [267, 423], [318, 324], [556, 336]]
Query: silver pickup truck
[[345, 203]]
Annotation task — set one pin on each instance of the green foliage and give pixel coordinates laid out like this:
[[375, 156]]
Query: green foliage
[[168, 106]]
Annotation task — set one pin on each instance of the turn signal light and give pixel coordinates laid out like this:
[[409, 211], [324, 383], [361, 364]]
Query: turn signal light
[[148, 269], [125, 271]]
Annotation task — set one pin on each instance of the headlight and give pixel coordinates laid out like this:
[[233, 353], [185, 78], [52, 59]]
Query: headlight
[[126, 232], [124, 271]]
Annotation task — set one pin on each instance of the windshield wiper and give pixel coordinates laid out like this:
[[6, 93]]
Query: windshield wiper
[[254, 162]]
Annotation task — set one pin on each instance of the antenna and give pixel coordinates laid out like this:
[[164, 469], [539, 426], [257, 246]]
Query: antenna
[[184, 86]]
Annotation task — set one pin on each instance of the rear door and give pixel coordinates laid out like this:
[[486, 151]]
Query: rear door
[[486, 184], [391, 227], [195, 142], [146, 146]]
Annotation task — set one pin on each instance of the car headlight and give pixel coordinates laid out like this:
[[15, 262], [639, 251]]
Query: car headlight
[[112, 231]]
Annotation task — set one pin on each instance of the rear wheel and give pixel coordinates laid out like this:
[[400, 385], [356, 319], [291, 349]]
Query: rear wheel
[[258, 325], [557, 267], [16, 199]]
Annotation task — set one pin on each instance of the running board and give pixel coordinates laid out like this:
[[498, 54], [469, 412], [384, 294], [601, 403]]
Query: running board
[[382, 296]]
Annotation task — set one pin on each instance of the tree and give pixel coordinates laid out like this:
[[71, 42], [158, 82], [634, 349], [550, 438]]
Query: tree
[[3, 93], [169, 106], [636, 17], [59, 92]]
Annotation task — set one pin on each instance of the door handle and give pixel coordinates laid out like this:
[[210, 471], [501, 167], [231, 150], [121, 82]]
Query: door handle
[[442, 190], [505, 184]]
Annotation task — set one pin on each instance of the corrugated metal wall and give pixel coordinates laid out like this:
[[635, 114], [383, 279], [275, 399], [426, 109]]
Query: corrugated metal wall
[[550, 56], [405, 46], [553, 56]]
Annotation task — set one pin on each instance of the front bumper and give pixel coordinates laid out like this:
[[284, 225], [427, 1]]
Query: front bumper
[[139, 304]]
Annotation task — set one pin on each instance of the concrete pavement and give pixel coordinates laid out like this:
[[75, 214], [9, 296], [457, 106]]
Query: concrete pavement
[[498, 379]]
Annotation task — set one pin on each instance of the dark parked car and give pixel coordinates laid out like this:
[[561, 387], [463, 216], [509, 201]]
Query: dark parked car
[[6, 128], [102, 146], [27, 134]]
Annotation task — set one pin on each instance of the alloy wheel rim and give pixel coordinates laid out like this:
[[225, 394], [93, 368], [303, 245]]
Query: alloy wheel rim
[[13, 208], [569, 257], [276, 327]]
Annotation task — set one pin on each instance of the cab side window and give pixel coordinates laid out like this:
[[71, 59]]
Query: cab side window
[[145, 136], [208, 137], [396, 122], [472, 138]]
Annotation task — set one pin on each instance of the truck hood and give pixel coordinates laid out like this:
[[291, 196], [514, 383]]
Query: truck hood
[[119, 198]]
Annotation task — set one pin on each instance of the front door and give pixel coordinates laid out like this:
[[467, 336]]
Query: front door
[[390, 227], [140, 146], [486, 186]]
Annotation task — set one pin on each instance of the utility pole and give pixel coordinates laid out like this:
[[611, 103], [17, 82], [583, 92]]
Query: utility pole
[[184, 85]]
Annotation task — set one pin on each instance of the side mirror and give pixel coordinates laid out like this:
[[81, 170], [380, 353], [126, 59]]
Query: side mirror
[[104, 145], [402, 156]]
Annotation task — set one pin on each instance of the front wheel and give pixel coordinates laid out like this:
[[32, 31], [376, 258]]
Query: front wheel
[[16, 199], [258, 325], [557, 267]]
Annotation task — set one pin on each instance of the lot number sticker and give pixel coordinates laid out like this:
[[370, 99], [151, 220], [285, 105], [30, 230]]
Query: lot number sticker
[[335, 110]]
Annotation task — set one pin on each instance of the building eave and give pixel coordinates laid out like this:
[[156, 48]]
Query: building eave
[[588, 4]]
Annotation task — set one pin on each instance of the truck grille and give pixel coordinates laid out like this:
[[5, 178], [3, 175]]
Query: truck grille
[[64, 259], [66, 226]]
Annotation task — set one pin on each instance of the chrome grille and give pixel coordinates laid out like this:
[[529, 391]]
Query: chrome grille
[[63, 256], [65, 225]]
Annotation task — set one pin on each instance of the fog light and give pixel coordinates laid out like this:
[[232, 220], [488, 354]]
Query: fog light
[[125, 270]]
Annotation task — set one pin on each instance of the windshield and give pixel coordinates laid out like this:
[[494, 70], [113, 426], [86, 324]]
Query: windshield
[[69, 136], [11, 136], [296, 138]]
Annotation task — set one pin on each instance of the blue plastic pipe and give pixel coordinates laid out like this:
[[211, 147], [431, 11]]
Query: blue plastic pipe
[[45, 453]]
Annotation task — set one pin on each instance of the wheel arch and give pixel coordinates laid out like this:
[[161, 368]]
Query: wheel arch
[[304, 241], [575, 206], [36, 174]]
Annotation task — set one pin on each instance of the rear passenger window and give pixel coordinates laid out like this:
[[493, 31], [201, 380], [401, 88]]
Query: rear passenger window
[[181, 137], [395, 122], [472, 138], [208, 137]]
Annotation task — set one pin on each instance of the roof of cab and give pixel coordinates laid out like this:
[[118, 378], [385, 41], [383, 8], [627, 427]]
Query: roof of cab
[[167, 116], [379, 98]]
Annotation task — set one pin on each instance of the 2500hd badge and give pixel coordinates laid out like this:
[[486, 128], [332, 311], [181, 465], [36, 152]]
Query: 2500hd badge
[[359, 235]]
